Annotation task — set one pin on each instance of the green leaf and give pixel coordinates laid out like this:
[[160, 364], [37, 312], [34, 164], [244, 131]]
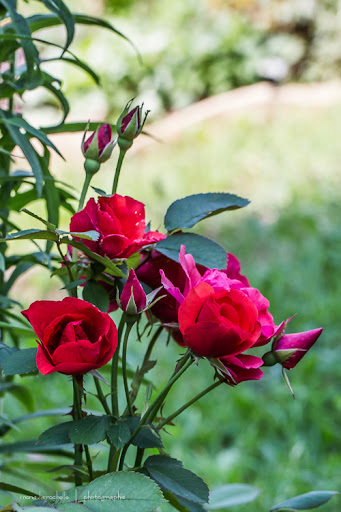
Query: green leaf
[[87, 235], [43, 21], [205, 251], [31, 234], [188, 211], [35, 216], [95, 293], [31, 446], [40, 135], [2, 263], [15, 489], [183, 505], [172, 477], [58, 434], [74, 284], [230, 495], [148, 437], [80, 64], [306, 501], [122, 491], [89, 430], [108, 264], [20, 362], [119, 433], [59, 8]]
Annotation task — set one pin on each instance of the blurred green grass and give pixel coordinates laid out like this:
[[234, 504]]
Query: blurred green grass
[[289, 243]]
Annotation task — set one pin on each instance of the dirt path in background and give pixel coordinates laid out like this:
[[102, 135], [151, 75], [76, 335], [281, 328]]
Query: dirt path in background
[[262, 96]]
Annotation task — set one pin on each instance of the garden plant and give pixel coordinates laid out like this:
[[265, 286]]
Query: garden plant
[[127, 283]]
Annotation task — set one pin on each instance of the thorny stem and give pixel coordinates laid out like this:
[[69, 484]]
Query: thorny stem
[[86, 184], [114, 371], [72, 291], [101, 396]]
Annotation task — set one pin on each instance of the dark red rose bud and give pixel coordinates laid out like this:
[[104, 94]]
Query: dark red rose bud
[[290, 348], [133, 299], [130, 124], [98, 147]]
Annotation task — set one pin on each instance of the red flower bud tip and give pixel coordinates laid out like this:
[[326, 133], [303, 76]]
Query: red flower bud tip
[[130, 125], [290, 348], [99, 145], [133, 298]]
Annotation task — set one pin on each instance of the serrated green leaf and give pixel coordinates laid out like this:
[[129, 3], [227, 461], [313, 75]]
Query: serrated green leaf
[[89, 430], [148, 437], [188, 211], [183, 505], [58, 434], [119, 433], [172, 477], [95, 293], [306, 501], [205, 251], [20, 362], [137, 493], [48, 224], [230, 495]]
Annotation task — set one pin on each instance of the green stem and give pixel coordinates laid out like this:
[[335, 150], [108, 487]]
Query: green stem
[[124, 368], [114, 456], [188, 404], [114, 371], [151, 412], [118, 169], [72, 291], [88, 177], [139, 375], [77, 415], [88, 462], [101, 396], [139, 458]]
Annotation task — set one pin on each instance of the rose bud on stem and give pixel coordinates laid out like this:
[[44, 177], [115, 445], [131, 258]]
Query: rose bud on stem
[[128, 127], [97, 149]]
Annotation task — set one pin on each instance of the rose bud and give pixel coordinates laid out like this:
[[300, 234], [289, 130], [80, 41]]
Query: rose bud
[[133, 298], [130, 125], [74, 336], [98, 147], [290, 348]]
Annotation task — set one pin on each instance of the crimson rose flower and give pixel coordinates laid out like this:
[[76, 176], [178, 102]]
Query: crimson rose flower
[[241, 368], [74, 336], [218, 323], [120, 221]]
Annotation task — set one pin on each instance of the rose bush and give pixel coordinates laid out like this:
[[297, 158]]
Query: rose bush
[[74, 336], [120, 222]]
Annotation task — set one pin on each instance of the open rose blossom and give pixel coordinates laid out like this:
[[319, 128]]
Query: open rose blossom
[[74, 336], [120, 221], [219, 315]]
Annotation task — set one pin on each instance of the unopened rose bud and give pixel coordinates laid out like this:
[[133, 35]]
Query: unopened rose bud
[[133, 299], [130, 125], [98, 148], [290, 348]]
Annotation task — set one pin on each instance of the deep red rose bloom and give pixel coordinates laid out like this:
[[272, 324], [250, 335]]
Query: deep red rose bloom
[[218, 324], [120, 221], [74, 336]]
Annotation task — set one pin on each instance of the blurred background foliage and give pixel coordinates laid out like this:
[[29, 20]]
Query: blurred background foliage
[[288, 240]]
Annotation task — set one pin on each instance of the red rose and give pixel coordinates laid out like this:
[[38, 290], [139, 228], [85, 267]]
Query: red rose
[[75, 337], [120, 221], [218, 323]]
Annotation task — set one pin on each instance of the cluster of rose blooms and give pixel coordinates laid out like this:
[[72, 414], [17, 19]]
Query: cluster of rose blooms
[[215, 313]]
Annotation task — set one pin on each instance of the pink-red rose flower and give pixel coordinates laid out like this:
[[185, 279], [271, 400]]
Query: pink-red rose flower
[[218, 323], [74, 336], [120, 222]]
